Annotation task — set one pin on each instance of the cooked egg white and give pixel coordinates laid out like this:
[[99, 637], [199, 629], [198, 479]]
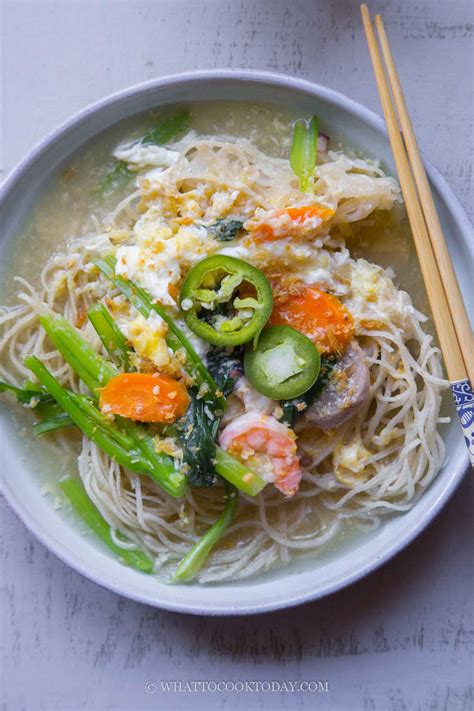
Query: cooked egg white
[[160, 255], [139, 155]]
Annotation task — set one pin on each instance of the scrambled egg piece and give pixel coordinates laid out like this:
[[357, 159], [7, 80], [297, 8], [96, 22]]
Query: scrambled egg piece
[[375, 300], [148, 337], [350, 461], [159, 253]]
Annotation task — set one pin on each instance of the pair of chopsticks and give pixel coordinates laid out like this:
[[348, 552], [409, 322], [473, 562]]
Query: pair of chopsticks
[[447, 306]]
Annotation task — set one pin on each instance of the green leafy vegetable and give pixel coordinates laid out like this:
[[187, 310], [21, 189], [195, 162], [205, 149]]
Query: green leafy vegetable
[[196, 557], [29, 397], [43, 404], [197, 432], [225, 230], [164, 132], [116, 178], [228, 467], [226, 367], [136, 450], [304, 151], [198, 429], [294, 407], [50, 424], [77, 497], [167, 129]]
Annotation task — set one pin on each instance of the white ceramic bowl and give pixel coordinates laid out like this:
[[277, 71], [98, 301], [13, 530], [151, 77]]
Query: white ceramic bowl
[[304, 579]]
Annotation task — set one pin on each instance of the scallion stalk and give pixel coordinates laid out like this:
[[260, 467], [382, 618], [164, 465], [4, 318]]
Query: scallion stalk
[[304, 151]]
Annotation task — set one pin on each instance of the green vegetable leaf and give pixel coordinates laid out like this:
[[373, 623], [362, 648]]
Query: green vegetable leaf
[[52, 423], [116, 178], [197, 432], [304, 151], [28, 397], [225, 230], [226, 367], [167, 129], [296, 406]]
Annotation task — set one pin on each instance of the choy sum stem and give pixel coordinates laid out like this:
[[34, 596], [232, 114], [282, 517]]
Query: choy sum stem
[[92, 369], [196, 557], [129, 444], [110, 335], [77, 497], [237, 473]]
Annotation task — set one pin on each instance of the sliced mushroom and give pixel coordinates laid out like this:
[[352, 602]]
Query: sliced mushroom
[[345, 393]]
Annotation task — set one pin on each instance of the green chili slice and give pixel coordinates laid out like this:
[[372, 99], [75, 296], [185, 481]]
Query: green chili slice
[[226, 301], [284, 365]]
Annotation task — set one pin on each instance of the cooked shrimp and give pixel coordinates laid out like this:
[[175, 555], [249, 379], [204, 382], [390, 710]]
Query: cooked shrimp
[[267, 446]]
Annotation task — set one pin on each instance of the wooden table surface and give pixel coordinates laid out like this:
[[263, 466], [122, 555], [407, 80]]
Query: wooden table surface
[[400, 639]]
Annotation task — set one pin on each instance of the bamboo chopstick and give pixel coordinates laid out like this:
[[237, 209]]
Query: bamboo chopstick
[[459, 315], [448, 339]]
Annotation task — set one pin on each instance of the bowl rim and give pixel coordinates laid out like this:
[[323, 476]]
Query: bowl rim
[[367, 116]]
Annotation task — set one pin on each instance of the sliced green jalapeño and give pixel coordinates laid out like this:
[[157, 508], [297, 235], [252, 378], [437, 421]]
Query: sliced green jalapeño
[[226, 301], [284, 365]]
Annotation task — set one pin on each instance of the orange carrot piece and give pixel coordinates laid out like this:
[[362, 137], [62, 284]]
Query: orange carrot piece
[[301, 213], [318, 315], [264, 232], [144, 397]]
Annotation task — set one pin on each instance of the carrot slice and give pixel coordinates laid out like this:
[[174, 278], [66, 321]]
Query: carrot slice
[[144, 397], [264, 231], [300, 213], [318, 315]]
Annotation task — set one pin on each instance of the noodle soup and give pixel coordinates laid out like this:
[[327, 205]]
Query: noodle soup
[[199, 465]]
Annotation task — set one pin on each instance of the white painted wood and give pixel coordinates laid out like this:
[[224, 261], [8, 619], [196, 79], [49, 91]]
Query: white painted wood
[[398, 640]]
